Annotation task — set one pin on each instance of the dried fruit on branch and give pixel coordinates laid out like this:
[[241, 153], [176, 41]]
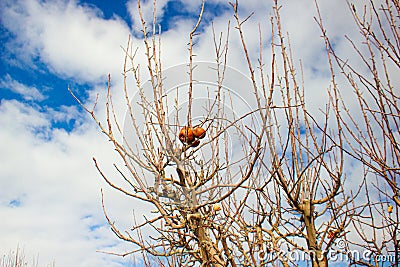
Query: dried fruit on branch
[[195, 143], [216, 207], [186, 135], [390, 208], [199, 132]]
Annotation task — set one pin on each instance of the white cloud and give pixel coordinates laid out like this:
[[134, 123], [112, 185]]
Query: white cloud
[[70, 39], [27, 92], [50, 190]]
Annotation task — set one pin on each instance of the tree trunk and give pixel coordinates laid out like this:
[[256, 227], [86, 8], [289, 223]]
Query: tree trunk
[[210, 255], [318, 257]]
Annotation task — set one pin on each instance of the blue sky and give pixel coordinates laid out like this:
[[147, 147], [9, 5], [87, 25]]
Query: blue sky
[[49, 189]]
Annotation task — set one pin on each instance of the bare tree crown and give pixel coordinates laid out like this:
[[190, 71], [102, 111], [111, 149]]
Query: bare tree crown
[[231, 185]]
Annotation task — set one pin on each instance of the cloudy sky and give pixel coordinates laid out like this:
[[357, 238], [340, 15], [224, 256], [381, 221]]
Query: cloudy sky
[[50, 201]]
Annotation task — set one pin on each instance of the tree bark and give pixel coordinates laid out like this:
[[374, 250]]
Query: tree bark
[[318, 257]]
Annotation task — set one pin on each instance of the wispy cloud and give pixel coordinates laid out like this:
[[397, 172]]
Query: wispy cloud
[[29, 93]]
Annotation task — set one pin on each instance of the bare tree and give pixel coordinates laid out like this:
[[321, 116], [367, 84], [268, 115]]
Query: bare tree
[[230, 188], [304, 160], [188, 180], [371, 130]]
